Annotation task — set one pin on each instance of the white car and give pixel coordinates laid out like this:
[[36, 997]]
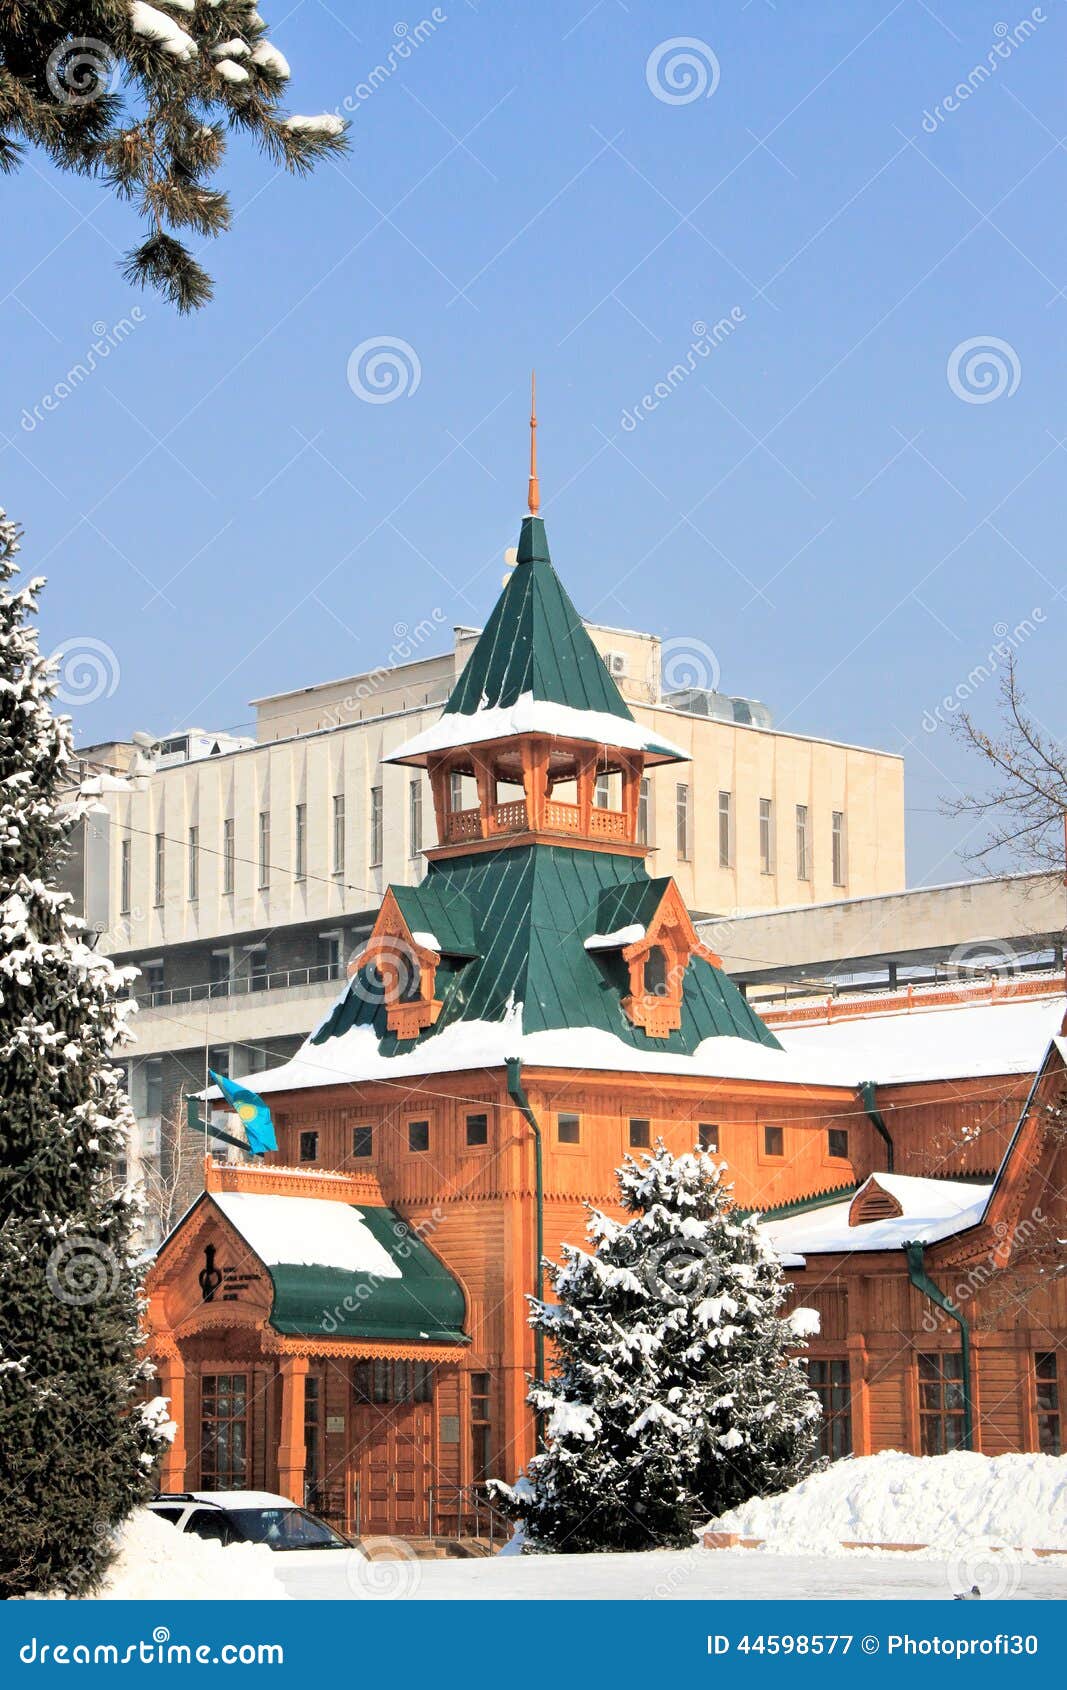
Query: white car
[[253, 1516]]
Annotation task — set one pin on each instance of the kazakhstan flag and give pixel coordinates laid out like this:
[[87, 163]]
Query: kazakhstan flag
[[252, 1112]]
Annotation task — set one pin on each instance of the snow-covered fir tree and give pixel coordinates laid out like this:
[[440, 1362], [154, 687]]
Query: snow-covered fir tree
[[143, 97], [76, 1449], [674, 1394]]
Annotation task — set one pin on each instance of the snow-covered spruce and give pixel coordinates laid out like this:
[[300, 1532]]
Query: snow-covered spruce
[[674, 1393], [75, 1450]]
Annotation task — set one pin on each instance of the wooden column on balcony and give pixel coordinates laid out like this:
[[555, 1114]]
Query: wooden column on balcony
[[586, 783], [535, 781], [439, 780], [632, 768], [485, 780]]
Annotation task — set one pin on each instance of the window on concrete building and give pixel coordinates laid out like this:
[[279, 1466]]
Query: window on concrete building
[[377, 842], [569, 1129], [229, 854], [1047, 1403], [602, 792], [418, 1135], [766, 836], [330, 947], [708, 1136], [221, 968], [264, 849], [153, 1085], [159, 869], [151, 979], [339, 833], [415, 816], [838, 848], [773, 1141], [726, 830], [300, 851], [803, 846], [681, 814], [643, 803], [477, 1129], [125, 876], [309, 1147], [640, 1134], [837, 1142], [363, 1141], [481, 1429], [219, 1059], [257, 969], [828, 1378], [224, 1440], [193, 882], [941, 1402]]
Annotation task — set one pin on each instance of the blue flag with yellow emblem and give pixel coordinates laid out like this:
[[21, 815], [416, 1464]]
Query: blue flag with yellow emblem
[[253, 1114]]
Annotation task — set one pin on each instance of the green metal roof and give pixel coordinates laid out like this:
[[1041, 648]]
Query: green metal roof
[[535, 642], [635, 902], [530, 909], [429, 908]]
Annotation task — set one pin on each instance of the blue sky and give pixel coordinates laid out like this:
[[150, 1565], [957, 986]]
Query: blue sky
[[816, 502]]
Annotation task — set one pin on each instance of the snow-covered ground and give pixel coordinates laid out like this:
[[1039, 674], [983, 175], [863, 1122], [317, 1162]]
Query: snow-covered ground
[[687, 1575], [154, 1561], [950, 1502]]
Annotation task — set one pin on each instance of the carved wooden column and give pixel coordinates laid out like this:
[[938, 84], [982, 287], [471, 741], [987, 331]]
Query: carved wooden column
[[535, 781], [439, 783], [632, 768], [486, 783], [291, 1452], [586, 782], [171, 1371]]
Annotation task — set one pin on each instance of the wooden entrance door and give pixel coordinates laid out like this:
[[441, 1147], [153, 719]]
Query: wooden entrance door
[[393, 1421]]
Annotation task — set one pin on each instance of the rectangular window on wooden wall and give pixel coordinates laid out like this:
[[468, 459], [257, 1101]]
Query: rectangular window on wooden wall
[[640, 1135], [477, 1129], [392, 1381], [363, 1141], [830, 1382], [708, 1136], [309, 1147], [481, 1429], [1049, 1421], [726, 830], [773, 1141], [837, 1143], [569, 1129], [941, 1402], [224, 1440], [602, 792], [418, 1135]]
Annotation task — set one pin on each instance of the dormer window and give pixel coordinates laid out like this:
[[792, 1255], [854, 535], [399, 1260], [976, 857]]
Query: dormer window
[[400, 970], [656, 982]]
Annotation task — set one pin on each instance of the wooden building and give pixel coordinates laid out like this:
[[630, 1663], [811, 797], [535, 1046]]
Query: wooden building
[[346, 1322]]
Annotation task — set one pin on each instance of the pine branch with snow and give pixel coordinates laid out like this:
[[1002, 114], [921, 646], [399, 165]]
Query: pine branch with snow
[[75, 1452], [675, 1392], [121, 89]]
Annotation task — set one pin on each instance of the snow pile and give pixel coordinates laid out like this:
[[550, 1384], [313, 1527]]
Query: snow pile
[[946, 1501], [156, 1560]]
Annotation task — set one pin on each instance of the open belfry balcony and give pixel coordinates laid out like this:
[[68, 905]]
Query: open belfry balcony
[[581, 792]]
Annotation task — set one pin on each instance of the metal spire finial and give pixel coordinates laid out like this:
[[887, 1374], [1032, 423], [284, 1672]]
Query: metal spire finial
[[535, 488]]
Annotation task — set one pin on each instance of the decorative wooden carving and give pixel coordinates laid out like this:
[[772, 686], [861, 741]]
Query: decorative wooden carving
[[657, 964], [407, 971]]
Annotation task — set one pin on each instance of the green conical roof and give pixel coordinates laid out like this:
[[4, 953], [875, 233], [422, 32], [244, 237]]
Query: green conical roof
[[535, 643]]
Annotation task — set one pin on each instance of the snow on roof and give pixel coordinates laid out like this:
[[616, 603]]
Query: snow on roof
[[615, 941], [957, 1041], [932, 1209], [354, 1056], [306, 1232], [530, 715]]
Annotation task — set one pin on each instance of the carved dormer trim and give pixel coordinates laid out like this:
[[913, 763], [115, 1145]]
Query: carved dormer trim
[[657, 964], [407, 970]]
